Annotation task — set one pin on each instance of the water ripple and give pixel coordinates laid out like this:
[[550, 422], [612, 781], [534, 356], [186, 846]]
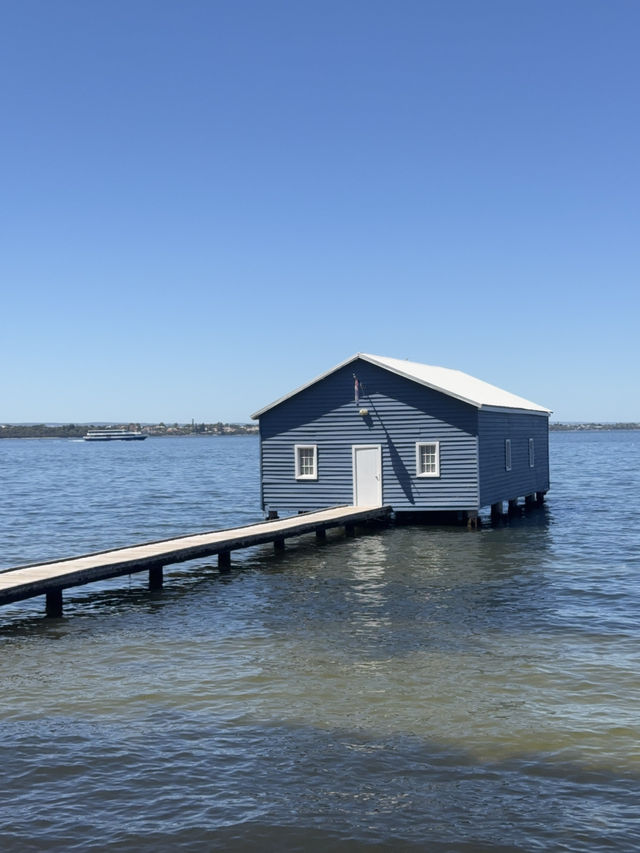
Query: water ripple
[[415, 688]]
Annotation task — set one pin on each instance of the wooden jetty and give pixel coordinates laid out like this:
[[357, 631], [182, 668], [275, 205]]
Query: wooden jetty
[[50, 579]]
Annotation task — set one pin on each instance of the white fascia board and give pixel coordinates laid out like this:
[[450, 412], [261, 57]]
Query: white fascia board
[[506, 410], [277, 402]]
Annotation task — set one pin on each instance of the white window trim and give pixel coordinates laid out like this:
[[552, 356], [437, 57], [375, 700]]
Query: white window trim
[[431, 474], [507, 454], [532, 453], [296, 449]]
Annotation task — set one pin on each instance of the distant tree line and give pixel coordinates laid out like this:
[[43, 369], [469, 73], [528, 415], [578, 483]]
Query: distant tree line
[[218, 428], [161, 429], [594, 426], [43, 430]]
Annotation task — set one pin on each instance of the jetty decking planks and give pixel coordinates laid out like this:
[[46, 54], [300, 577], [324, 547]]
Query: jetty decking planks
[[51, 578]]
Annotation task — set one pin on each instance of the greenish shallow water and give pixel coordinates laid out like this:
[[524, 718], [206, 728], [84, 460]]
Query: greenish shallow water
[[422, 688]]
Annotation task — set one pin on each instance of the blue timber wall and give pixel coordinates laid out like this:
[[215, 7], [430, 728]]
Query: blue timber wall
[[498, 484], [401, 413]]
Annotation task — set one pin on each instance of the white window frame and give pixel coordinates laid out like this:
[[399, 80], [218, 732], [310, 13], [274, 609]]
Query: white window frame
[[419, 446], [296, 451], [507, 454], [532, 453]]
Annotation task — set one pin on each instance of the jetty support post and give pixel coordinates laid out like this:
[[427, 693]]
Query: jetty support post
[[156, 578], [513, 506], [321, 534], [350, 530], [497, 511], [540, 498], [530, 500], [472, 518], [278, 544], [224, 561], [54, 604]]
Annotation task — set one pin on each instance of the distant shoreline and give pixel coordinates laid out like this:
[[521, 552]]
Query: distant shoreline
[[599, 427], [221, 429], [160, 430]]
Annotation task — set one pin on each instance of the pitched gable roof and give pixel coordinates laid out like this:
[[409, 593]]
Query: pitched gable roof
[[453, 383]]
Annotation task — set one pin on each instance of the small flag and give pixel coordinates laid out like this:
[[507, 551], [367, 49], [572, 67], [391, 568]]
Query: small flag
[[356, 389]]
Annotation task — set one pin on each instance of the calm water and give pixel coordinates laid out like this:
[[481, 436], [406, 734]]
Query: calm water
[[428, 689]]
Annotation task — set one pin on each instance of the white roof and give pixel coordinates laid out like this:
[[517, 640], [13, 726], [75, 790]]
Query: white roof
[[454, 383]]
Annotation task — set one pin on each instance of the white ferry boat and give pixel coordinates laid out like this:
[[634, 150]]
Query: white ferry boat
[[114, 435]]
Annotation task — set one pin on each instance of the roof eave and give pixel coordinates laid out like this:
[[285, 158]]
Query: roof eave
[[532, 409], [256, 415], [518, 410], [536, 410]]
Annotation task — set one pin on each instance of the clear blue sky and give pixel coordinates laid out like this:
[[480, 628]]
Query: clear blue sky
[[205, 204]]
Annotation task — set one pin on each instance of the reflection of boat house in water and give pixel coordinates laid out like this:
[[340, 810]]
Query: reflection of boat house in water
[[376, 430]]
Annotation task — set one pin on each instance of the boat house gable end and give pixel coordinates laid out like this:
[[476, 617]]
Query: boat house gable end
[[411, 436], [453, 383]]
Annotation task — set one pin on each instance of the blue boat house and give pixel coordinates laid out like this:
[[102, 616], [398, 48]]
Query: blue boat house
[[422, 439]]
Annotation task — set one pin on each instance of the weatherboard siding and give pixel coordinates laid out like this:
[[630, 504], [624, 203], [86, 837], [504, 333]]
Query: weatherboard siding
[[401, 413], [498, 484]]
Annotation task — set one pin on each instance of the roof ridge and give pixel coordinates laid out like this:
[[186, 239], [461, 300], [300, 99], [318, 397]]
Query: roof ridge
[[463, 386]]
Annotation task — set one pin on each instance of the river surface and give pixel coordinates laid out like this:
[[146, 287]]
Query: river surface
[[415, 688]]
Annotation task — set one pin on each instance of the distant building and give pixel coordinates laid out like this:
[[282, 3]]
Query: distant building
[[376, 430]]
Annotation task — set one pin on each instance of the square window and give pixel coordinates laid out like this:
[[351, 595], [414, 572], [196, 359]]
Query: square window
[[428, 459], [306, 461]]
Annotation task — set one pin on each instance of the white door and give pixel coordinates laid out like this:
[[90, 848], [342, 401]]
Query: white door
[[367, 475]]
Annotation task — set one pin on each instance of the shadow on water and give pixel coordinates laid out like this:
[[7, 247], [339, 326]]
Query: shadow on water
[[278, 707], [303, 789], [415, 688]]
